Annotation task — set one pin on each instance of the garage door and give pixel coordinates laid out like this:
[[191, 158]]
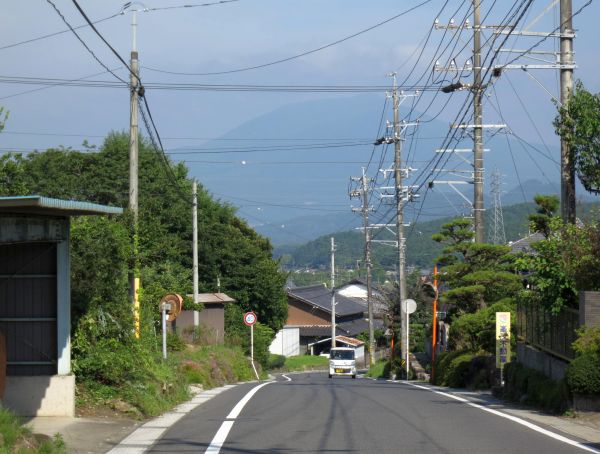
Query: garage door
[[28, 307]]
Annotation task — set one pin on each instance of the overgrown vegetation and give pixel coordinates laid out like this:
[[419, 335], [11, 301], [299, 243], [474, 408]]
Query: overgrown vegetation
[[15, 438], [381, 369], [110, 364]]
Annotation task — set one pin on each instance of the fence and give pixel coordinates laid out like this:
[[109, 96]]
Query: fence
[[551, 333]]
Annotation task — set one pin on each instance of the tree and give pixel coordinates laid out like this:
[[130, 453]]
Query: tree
[[546, 207], [477, 274], [578, 123]]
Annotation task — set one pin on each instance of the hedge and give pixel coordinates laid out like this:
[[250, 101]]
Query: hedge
[[583, 374], [534, 388]]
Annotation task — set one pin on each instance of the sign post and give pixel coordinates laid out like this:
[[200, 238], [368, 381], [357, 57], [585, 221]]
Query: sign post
[[408, 307], [502, 342], [250, 320], [170, 307]]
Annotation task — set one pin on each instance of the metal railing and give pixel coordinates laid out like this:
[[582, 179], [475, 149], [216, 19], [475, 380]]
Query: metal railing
[[552, 333]]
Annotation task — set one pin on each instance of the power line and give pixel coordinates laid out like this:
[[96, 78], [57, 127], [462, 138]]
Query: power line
[[8, 46], [84, 43], [208, 87], [293, 57], [58, 85], [93, 27], [193, 5]]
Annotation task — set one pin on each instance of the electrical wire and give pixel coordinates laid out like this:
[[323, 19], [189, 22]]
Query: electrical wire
[[8, 46], [112, 49], [302, 54], [83, 42]]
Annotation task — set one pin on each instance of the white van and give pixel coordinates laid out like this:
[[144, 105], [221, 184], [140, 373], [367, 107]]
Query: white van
[[342, 362]]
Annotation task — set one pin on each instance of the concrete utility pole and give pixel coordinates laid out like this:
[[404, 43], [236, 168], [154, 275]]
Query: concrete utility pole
[[332, 292], [478, 210], [134, 276], [399, 217], [195, 248], [567, 180], [363, 192]]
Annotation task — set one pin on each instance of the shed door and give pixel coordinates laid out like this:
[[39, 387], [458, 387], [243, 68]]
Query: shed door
[[28, 307]]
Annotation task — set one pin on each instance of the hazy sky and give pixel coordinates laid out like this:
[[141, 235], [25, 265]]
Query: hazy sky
[[248, 33]]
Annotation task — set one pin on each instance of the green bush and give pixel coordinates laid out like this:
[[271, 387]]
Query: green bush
[[276, 361], [461, 369], [442, 363], [477, 331], [458, 370], [588, 341], [534, 388], [583, 374], [381, 369]]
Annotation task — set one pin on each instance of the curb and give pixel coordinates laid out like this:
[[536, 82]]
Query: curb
[[145, 436]]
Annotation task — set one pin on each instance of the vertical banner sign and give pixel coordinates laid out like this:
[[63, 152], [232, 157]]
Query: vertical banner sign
[[502, 339]]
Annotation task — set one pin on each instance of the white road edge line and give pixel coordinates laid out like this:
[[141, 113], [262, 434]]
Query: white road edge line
[[511, 418], [145, 436], [286, 377], [217, 442]]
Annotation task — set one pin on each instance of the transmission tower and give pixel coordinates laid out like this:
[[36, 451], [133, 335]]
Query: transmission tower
[[497, 235]]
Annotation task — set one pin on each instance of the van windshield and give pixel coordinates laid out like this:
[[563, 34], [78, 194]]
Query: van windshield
[[342, 354]]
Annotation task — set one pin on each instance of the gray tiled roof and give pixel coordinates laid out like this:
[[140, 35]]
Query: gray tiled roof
[[320, 295], [524, 244]]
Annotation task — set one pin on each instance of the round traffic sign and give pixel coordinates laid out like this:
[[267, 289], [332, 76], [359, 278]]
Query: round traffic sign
[[409, 306], [249, 318]]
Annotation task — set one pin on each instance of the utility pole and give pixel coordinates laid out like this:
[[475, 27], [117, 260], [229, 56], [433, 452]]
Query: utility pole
[[478, 210], [195, 248], [399, 217], [134, 275], [363, 192], [567, 181], [332, 292]]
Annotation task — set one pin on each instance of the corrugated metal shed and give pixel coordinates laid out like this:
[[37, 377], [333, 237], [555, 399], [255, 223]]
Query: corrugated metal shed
[[35, 204]]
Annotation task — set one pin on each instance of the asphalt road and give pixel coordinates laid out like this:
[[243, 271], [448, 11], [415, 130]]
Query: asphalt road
[[313, 414]]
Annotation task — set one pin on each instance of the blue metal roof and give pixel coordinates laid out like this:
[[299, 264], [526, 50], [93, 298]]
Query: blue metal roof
[[35, 204]]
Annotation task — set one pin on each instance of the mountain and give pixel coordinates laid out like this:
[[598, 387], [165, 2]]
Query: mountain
[[421, 250], [288, 171]]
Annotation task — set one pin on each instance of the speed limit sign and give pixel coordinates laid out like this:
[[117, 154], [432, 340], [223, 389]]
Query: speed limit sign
[[249, 318]]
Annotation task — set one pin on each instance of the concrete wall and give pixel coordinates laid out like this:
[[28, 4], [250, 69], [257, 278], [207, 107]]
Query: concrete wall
[[543, 362], [286, 342], [40, 395], [589, 309]]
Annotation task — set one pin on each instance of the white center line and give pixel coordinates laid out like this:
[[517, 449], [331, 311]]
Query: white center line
[[217, 442]]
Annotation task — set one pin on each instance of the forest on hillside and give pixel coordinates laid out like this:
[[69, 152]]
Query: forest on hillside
[[421, 249]]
